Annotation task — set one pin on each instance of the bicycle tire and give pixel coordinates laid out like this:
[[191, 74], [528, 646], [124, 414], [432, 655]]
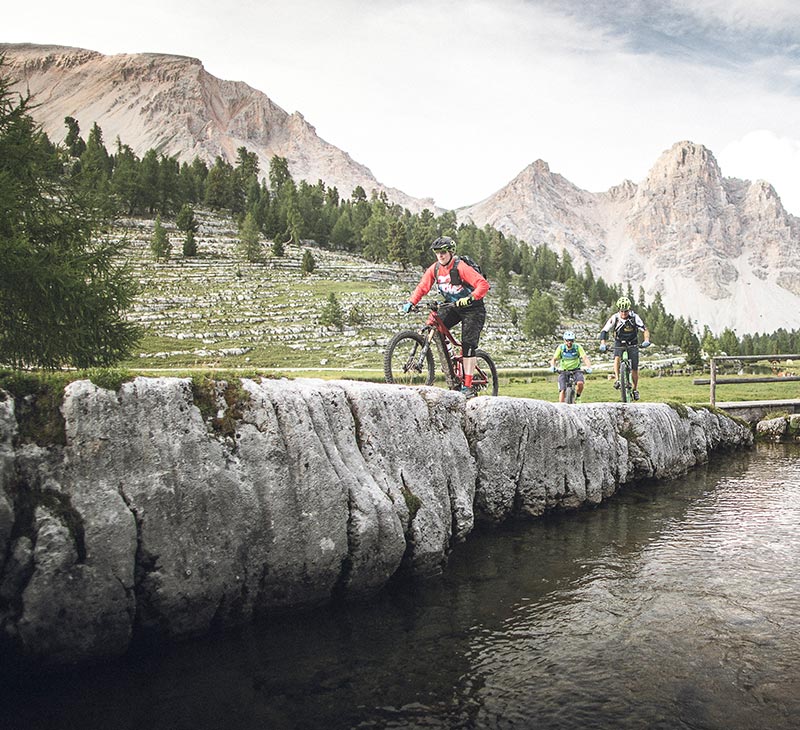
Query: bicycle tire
[[484, 381], [625, 382], [569, 392], [397, 362]]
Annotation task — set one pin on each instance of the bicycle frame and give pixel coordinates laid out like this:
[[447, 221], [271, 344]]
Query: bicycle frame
[[625, 369], [450, 361]]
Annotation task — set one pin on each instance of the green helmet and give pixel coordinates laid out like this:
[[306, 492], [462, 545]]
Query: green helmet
[[623, 304], [443, 243]]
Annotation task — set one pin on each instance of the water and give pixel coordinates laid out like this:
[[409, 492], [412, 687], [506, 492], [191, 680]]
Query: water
[[674, 605]]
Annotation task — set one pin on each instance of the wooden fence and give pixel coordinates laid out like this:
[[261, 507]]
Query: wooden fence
[[713, 381]]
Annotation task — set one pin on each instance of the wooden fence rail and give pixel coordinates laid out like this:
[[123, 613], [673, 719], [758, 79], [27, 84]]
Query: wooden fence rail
[[714, 380]]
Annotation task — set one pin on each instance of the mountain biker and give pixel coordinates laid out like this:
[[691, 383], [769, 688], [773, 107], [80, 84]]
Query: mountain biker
[[568, 356], [467, 296], [625, 324]]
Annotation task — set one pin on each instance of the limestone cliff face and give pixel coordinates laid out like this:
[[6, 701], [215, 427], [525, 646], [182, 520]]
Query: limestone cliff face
[[721, 251], [149, 521], [172, 104]]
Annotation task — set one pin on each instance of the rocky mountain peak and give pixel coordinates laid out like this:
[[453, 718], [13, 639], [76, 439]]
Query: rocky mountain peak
[[719, 250], [539, 167]]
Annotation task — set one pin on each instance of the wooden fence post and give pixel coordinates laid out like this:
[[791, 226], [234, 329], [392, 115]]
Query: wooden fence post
[[713, 397]]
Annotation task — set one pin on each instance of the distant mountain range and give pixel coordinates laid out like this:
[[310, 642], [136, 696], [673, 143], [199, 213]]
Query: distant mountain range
[[723, 252]]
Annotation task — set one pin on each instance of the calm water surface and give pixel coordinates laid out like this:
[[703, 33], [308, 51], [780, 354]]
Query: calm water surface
[[674, 605]]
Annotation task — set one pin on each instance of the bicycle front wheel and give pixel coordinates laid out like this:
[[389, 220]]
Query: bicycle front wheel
[[625, 381], [569, 393], [408, 361], [484, 381]]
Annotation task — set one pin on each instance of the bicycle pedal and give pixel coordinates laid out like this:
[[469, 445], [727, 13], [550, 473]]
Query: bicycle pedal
[[617, 384]]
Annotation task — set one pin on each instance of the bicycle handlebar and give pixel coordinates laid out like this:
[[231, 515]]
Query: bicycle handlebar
[[433, 305]]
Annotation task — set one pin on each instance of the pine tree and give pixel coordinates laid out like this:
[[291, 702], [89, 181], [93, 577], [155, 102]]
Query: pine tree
[[189, 245], [63, 294], [159, 242], [307, 265], [541, 316], [249, 246], [332, 314], [573, 298], [73, 141], [187, 223]]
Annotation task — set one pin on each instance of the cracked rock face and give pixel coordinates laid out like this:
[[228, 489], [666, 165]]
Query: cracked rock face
[[153, 521]]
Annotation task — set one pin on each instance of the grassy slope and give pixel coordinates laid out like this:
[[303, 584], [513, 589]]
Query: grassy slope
[[219, 312]]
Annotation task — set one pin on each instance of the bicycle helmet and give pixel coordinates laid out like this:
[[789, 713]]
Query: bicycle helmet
[[443, 243], [569, 335], [623, 304]]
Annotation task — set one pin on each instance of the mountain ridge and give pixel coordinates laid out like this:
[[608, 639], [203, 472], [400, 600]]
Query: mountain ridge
[[173, 105], [722, 252]]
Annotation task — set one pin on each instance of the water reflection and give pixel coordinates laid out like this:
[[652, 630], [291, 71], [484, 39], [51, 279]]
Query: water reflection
[[674, 605]]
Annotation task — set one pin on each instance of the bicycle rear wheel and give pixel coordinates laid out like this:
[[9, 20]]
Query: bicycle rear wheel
[[484, 381], [407, 361], [625, 381]]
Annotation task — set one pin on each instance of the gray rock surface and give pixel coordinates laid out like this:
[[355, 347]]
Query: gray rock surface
[[154, 520]]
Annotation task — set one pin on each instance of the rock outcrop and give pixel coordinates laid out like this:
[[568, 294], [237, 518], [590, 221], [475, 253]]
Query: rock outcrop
[[165, 512]]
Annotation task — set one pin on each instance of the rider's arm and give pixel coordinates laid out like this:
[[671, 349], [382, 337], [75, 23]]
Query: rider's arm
[[606, 329], [556, 357], [425, 285], [584, 357], [640, 325], [468, 275]]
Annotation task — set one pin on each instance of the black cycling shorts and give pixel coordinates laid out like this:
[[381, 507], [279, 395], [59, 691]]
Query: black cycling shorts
[[633, 353], [472, 319]]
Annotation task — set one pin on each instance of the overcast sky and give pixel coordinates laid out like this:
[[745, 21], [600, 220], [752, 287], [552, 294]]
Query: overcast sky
[[452, 99]]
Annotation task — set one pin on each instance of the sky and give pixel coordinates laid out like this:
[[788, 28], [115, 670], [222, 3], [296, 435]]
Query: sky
[[451, 99]]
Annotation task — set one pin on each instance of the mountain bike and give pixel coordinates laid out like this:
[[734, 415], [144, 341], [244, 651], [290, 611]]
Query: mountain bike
[[409, 356], [570, 386], [625, 382]]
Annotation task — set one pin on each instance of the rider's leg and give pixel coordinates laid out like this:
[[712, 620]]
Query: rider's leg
[[616, 368], [468, 364], [471, 326], [635, 368]]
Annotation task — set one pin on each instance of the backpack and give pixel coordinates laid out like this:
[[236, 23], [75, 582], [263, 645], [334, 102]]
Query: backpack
[[620, 323], [455, 279]]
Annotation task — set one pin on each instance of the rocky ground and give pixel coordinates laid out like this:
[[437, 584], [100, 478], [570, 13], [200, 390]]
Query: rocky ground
[[217, 310]]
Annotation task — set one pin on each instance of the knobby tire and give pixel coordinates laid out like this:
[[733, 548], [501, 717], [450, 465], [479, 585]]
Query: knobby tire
[[398, 367], [485, 368], [626, 381], [569, 392]]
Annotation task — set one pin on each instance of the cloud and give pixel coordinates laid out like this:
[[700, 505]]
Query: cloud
[[764, 155]]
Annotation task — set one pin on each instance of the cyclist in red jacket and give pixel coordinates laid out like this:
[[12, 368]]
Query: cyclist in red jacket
[[463, 286]]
